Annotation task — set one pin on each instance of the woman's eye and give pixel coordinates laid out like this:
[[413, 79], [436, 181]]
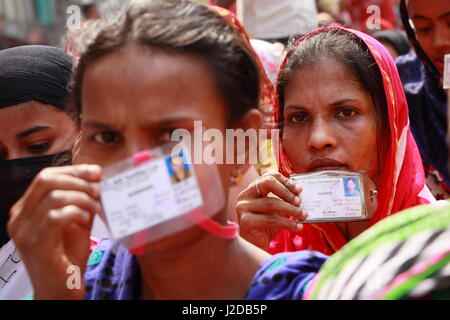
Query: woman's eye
[[107, 137], [346, 113], [166, 135], [423, 30], [298, 118], [38, 148]]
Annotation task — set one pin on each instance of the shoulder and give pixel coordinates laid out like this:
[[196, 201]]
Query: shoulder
[[285, 276], [111, 272]]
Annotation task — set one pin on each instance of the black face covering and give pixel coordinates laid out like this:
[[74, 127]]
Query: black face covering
[[15, 177]]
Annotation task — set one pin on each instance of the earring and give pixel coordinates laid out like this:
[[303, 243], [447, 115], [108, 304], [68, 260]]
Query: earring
[[236, 177]]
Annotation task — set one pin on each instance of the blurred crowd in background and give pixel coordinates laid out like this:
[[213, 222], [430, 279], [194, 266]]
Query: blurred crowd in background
[[45, 21]]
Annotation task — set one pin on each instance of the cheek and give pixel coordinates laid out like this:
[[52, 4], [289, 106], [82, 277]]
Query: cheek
[[426, 42], [362, 148], [294, 145]]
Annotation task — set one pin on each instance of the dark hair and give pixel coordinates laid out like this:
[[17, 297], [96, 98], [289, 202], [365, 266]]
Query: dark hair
[[352, 52], [396, 38], [429, 65], [180, 26]]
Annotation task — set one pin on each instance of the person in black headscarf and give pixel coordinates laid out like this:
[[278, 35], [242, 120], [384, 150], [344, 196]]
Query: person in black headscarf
[[394, 40], [427, 26], [35, 132]]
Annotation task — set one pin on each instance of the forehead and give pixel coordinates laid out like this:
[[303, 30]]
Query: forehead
[[327, 78], [149, 85], [428, 8], [30, 113]]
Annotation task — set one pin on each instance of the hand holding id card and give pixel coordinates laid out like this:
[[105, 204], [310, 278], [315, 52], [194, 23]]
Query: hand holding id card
[[337, 196], [155, 193]]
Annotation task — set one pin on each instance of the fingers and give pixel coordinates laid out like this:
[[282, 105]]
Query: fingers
[[276, 206], [69, 214], [62, 198], [276, 183], [55, 200], [80, 177], [51, 223], [46, 232], [89, 172], [253, 221], [51, 180]]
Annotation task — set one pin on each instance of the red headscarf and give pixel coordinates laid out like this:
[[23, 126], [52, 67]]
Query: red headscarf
[[402, 178]]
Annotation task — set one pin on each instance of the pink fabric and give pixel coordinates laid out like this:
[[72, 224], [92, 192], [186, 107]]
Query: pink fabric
[[403, 180]]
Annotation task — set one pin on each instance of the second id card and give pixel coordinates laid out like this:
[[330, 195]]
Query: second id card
[[447, 71], [149, 194], [332, 196]]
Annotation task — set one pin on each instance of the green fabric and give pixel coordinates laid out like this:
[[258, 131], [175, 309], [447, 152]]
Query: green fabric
[[95, 257], [395, 229], [402, 289], [277, 263]]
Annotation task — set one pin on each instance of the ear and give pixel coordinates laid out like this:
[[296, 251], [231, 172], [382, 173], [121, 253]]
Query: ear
[[252, 121]]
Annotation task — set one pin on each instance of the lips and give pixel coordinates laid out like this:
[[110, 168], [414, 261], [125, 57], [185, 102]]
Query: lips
[[326, 164]]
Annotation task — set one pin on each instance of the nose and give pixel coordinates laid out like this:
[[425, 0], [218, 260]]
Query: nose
[[138, 144], [322, 135]]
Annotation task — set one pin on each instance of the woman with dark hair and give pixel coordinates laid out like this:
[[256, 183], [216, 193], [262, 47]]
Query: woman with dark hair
[[159, 54], [36, 132], [427, 26], [394, 40], [340, 107]]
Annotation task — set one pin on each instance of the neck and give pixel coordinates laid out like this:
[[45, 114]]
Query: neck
[[351, 230], [203, 267]]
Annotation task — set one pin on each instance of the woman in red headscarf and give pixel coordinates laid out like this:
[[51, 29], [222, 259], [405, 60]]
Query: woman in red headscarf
[[341, 106]]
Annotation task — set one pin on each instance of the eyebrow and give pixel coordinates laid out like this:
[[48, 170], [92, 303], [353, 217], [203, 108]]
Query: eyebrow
[[164, 122], [333, 104], [99, 125], [30, 131], [425, 18]]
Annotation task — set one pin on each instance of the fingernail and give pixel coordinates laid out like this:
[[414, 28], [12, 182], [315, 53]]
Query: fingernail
[[298, 187], [297, 200], [299, 226], [304, 214], [94, 170]]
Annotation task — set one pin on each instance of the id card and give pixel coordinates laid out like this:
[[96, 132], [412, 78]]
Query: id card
[[329, 196], [447, 72], [149, 194]]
